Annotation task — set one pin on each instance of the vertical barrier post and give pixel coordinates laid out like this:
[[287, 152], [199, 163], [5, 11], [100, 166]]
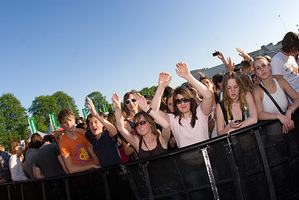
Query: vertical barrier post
[[147, 180], [265, 163], [210, 173], [128, 174], [105, 185]]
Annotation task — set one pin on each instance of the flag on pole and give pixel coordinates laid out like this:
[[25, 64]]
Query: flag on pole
[[32, 125], [53, 121], [84, 111]]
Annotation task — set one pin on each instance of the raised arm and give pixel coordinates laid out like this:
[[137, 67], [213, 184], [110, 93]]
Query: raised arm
[[207, 96], [164, 80], [110, 127], [133, 140], [146, 108]]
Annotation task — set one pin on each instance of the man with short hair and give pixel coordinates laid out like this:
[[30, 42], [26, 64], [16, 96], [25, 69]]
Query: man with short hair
[[284, 64]]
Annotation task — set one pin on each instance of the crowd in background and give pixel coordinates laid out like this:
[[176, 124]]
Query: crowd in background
[[263, 88]]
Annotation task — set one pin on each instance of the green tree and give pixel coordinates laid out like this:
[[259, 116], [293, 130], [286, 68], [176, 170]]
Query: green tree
[[13, 119], [65, 101], [99, 101], [40, 109]]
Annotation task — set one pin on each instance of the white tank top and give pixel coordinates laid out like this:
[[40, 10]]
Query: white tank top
[[279, 97]]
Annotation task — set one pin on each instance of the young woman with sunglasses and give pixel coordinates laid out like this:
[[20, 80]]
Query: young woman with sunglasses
[[131, 109], [237, 108], [149, 141], [278, 89], [189, 121]]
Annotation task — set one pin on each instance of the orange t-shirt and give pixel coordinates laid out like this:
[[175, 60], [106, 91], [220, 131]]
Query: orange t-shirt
[[76, 149]]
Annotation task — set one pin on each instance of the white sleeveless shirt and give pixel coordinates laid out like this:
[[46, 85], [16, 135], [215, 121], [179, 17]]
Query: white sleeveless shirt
[[280, 98]]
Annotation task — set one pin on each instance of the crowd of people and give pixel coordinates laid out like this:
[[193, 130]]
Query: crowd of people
[[263, 88]]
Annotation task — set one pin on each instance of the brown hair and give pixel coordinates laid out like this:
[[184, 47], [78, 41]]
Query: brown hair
[[260, 58], [242, 95], [185, 92], [290, 42], [149, 119], [65, 114], [36, 141], [12, 146]]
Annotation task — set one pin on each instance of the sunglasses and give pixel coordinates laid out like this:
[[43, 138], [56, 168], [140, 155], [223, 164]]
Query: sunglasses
[[139, 123], [129, 100], [179, 101]]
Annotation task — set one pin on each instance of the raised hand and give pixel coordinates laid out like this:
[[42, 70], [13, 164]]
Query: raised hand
[[220, 55], [182, 70], [164, 79], [230, 65], [91, 106], [116, 101], [142, 102], [243, 54]]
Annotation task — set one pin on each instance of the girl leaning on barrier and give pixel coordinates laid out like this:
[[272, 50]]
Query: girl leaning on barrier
[[237, 108], [279, 90]]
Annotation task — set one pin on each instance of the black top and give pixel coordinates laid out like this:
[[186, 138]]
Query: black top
[[105, 148], [156, 151]]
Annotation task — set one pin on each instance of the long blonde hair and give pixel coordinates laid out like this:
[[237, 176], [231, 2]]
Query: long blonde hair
[[242, 94]]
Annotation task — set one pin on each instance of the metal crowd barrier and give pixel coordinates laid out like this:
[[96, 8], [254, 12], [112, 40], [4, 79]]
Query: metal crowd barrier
[[252, 163]]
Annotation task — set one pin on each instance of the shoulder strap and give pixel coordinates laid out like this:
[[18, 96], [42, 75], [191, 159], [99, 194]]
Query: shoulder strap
[[272, 99], [221, 103]]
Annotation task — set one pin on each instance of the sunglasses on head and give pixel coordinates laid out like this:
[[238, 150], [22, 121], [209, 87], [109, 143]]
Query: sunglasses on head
[[179, 101], [129, 100], [139, 123]]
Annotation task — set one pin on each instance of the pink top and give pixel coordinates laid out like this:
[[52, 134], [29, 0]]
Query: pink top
[[185, 135]]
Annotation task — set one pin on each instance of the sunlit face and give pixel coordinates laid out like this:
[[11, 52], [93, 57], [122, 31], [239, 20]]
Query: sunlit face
[[170, 105], [132, 106], [95, 126], [144, 127], [262, 68], [183, 107], [233, 89], [68, 125]]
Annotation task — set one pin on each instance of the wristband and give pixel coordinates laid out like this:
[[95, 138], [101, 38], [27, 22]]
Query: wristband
[[149, 110]]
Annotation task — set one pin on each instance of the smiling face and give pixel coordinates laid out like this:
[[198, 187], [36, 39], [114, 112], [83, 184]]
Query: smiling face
[[131, 104], [95, 126], [142, 126], [233, 89], [183, 106]]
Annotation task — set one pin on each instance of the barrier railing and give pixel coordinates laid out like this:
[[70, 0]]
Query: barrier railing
[[252, 163]]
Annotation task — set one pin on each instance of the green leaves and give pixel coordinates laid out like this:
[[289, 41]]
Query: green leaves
[[13, 119]]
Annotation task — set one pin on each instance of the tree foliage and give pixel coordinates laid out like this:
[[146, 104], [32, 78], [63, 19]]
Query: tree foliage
[[65, 101], [99, 101], [13, 119], [42, 106]]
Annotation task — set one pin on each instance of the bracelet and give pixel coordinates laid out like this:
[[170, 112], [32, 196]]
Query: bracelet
[[149, 110]]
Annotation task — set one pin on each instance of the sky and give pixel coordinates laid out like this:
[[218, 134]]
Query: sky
[[109, 46]]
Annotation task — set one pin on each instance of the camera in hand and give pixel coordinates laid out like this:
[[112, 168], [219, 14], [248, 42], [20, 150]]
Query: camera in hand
[[238, 121], [215, 53]]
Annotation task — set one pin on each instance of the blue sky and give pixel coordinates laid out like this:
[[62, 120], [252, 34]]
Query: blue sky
[[114, 46]]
